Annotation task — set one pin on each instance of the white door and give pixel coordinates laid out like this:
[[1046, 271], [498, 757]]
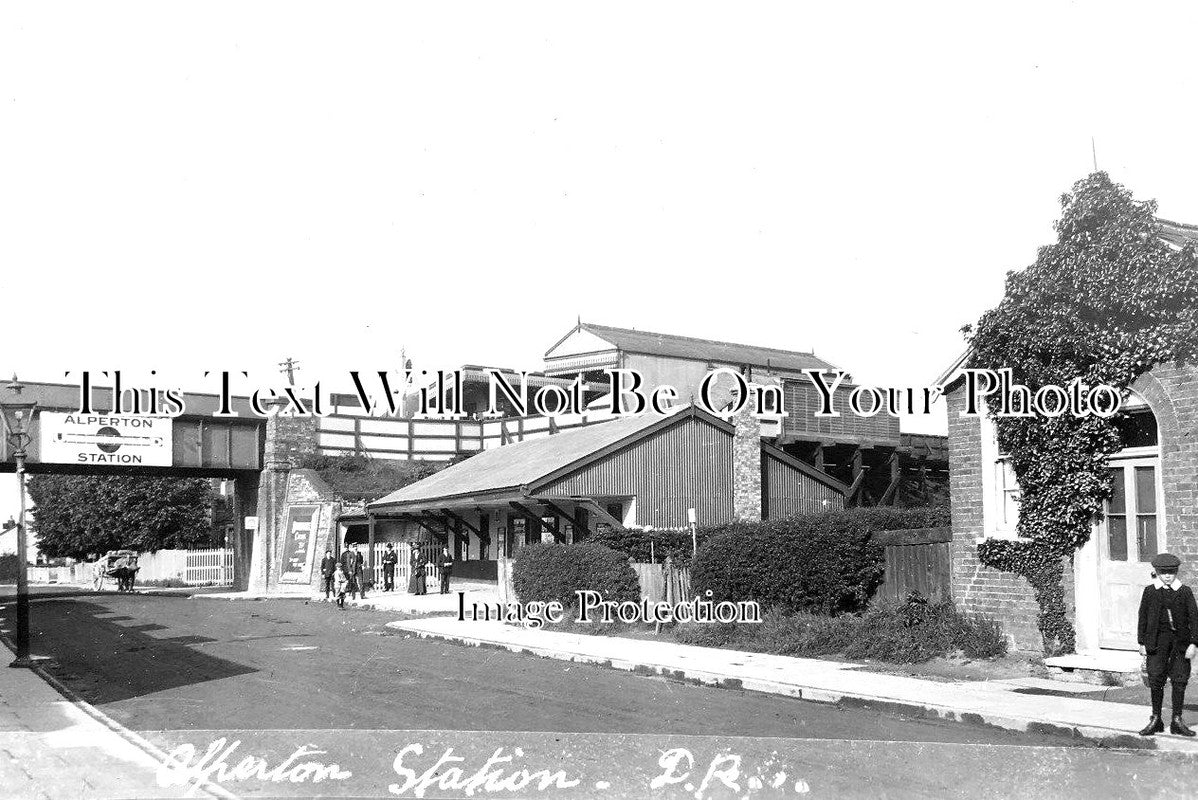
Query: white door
[[1129, 535]]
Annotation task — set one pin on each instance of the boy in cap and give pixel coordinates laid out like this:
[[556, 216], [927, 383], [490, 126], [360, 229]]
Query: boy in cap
[[1168, 635]]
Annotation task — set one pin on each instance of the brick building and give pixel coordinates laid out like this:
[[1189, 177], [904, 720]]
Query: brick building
[[1155, 509]]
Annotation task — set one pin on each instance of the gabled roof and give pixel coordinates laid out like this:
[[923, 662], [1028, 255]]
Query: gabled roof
[[667, 344], [523, 463], [529, 464]]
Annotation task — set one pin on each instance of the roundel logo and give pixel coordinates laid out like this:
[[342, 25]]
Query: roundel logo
[[108, 432]]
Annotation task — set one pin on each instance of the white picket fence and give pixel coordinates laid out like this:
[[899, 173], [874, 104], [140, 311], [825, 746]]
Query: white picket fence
[[209, 566], [192, 567], [403, 569]]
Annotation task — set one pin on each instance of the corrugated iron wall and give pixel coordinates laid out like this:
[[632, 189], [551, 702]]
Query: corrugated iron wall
[[790, 492], [683, 466]]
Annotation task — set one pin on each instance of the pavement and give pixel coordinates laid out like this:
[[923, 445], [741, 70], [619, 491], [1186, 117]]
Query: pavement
[[53, 747], [1032, 705]]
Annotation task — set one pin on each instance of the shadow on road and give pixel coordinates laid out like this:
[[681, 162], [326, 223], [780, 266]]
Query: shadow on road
[[107, 661]]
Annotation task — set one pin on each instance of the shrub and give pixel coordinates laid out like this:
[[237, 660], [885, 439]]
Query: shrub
[[644, 546], [918, 630], [830, 562], [556, 571], [8, 568], [818, 562]]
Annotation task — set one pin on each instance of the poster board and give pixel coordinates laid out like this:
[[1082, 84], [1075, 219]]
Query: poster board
[[299, 544]]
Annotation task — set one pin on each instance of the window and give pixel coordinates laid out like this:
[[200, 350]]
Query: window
[[1137, 428], [1000, 489], [1007, 500], [1132, 507]]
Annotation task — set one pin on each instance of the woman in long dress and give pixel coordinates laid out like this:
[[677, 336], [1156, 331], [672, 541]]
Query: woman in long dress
[[414, 579], [421, 584]]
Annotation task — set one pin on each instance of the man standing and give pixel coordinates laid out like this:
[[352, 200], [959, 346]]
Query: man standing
[[390, 559], [360, 577], [1168, 634], [328, 569], [349, 564], [446, 567]]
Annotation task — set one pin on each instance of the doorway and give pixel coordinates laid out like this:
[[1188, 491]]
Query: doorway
[[1128, 536]]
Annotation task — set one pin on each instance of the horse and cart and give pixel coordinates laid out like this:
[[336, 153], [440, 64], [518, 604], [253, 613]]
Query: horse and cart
[[118, 565]]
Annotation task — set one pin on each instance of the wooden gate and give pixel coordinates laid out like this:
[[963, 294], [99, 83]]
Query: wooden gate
[[917, 560]]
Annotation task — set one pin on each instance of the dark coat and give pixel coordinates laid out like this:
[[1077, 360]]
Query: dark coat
[[328, 566], [1185, 621], [390, 557]]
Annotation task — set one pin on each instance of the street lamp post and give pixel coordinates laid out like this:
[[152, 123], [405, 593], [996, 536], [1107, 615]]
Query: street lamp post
[[18, 417]]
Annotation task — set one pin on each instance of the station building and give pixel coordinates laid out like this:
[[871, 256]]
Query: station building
[[643, 471]]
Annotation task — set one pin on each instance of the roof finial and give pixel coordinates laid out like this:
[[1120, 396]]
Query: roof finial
[[1094, 153]]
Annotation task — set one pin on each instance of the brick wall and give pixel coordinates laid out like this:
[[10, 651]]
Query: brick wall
[[1171, 391], [746, 466], [978, 589], [289, 439]]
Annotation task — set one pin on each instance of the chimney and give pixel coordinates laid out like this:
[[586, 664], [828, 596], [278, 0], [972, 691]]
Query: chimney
[[746, 466]]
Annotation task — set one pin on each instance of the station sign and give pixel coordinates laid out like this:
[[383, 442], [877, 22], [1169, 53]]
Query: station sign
[[105, 440]]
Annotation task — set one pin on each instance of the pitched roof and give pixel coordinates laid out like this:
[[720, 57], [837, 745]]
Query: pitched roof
[[521, 463], [668, 344]]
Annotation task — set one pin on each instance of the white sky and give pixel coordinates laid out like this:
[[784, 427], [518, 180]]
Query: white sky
[[222, 185]]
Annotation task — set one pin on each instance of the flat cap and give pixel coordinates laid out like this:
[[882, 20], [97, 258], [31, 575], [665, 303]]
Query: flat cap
[[1166, 561]]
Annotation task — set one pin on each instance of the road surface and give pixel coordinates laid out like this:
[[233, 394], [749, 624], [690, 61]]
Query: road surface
[[275, 676]]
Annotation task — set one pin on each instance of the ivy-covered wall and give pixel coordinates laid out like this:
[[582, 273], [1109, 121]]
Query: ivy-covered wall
[[1113, 301], [1171, 391], [977, 589]]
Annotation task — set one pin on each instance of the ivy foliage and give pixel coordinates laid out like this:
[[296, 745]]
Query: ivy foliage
[[1105, 303]]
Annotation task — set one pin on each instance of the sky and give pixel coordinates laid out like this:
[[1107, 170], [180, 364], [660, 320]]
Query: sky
[[208, 186]]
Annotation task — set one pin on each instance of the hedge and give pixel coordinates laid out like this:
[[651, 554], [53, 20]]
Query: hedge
[[548, 572], [830, 562], [635, 544], [677, 544]]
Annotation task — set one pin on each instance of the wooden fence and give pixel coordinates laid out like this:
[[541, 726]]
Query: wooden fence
[[917, 560], [663, 582]]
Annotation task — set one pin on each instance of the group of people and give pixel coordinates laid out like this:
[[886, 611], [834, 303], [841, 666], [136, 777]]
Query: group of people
[[343, 576], [348, 575]]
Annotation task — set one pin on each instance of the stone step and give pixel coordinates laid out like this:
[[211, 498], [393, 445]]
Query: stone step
[[1102, 667]]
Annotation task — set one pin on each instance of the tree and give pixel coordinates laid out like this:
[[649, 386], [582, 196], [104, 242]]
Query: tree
[[1105, 303], [75, 516]]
